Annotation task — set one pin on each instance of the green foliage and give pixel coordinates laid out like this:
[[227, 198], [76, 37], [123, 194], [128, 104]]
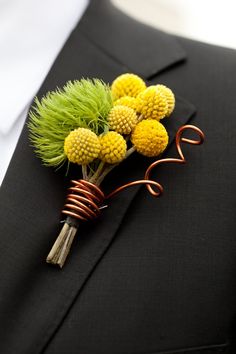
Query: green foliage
[[84, 103]]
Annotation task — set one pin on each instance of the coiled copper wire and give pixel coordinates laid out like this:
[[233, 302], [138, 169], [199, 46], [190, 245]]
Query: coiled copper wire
[[84, 199], [150, 183]]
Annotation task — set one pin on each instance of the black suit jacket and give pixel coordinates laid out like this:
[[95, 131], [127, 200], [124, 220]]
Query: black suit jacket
[[151, 275]]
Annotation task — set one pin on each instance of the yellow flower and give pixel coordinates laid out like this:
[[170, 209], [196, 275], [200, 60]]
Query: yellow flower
[[127, 85], [169, 96], [153, 103], [122, 119], [128, 101], [113, 147], [81, 146], [149, 137]]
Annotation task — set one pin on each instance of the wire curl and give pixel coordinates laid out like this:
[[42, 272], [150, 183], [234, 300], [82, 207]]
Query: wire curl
[[151, 183]]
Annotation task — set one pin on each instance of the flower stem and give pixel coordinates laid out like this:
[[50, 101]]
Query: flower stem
[[130, 151], [85, 172], [98, 172], [105, 172], [109, 168]]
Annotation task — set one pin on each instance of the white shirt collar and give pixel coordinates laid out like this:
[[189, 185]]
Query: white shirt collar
[[31, 35]]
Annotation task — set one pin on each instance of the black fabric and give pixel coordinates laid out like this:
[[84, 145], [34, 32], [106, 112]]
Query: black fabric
[[150, 276], [134, 45]]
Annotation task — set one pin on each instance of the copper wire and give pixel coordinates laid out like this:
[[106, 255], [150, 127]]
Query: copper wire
[[150, 183], [83, 200]]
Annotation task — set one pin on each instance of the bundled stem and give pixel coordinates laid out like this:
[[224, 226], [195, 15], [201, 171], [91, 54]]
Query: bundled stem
[[62, 245]]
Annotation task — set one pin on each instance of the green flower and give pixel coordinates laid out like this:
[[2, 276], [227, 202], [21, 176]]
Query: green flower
[[80, 104]]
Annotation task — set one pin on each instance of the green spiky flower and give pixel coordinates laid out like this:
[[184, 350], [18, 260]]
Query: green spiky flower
[[80, 104]]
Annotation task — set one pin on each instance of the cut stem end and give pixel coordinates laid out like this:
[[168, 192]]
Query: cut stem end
[[62, 245]]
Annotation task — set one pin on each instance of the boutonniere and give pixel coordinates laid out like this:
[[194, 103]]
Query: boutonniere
[[96, 126]]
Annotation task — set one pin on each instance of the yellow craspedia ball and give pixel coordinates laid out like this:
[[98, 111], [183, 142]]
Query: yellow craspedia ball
[[169, 96], [122, 119], [153, 103], [131, 102], [149, 137], [127, 85], [82, 146], [113, 147]]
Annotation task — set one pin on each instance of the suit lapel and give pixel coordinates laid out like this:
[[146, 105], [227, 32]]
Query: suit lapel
[[36, 297], [142, 49]]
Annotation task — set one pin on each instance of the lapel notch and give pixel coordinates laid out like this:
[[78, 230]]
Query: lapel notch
[[138, 47]]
